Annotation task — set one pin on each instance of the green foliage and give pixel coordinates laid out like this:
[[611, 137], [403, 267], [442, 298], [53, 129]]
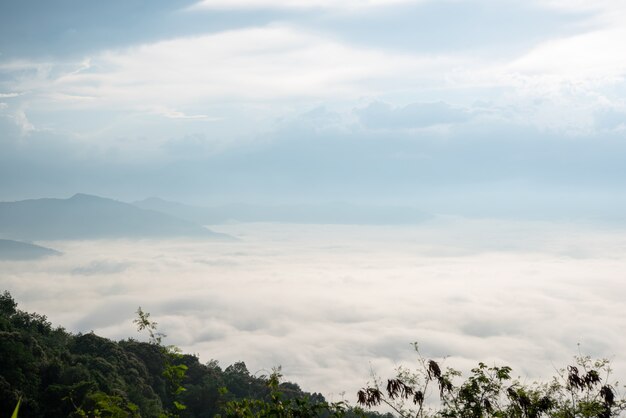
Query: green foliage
[[57, 374], [101, 405], [17, 409], [173, 373], [8, 306], [143, 322], [280, 407], [583, 390]]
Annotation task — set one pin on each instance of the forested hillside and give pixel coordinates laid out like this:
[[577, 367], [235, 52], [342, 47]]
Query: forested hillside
[[59, 374]]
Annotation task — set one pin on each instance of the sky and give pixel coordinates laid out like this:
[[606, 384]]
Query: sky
[[460, 107]]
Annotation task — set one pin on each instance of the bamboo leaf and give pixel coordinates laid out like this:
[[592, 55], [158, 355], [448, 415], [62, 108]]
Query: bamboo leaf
[[17, 408]]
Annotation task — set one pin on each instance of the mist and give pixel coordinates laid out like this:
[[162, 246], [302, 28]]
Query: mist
[[330, 302]]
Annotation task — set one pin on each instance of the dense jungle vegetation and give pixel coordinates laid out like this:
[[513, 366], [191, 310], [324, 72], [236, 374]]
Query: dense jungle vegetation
[[53, 373], [59, 374]]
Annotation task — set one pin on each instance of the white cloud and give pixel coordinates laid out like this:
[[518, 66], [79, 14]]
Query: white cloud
[[296, 4], [323, 301], [175, 114], [265, 70], [570, 79], [21, 120], [602, 8], [557, 84], [584, 62], [591, 58], [9, 95], [251, 64]]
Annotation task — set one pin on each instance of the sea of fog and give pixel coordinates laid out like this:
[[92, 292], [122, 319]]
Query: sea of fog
[[330, 302]]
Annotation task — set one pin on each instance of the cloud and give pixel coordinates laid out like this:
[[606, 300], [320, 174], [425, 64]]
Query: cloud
[[9, 95], [231, 104], [21, 120], [98, 267], [601, 9], [379, 115], [175, 114], [502, 169], [325, 301], [294, 65], [283, 62], [586, 58], [67, 30], [557, 84], [295, 4]]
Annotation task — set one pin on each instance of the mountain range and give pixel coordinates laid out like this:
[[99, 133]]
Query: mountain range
[[91, 217], [84, 216], [15, 250]]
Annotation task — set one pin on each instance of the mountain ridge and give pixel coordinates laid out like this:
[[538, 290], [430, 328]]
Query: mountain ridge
[[17, 250], [86, 216]]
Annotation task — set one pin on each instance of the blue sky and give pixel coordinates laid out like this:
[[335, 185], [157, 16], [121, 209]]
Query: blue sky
[[475, 106]]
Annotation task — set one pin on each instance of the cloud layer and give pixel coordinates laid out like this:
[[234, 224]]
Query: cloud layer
[[325, 301]]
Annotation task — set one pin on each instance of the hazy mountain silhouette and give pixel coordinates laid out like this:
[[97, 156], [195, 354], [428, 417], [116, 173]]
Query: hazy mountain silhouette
[[15, 250], [90, 217], [333, 213]]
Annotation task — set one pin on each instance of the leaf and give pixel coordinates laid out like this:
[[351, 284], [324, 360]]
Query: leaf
[[17, 408]]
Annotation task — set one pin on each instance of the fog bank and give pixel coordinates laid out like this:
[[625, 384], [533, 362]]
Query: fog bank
[[326, 301]]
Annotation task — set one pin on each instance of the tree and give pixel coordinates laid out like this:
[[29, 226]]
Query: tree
[[174, 370], [583, 390], [279, 407], [143, 322]]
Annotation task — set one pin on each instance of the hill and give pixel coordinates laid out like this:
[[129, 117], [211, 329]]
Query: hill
[[91, 217], [59, 374], [15, 250]]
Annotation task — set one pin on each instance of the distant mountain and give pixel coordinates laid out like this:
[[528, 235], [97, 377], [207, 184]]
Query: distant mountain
[[334, 213], [90, 217], [15, 250]]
